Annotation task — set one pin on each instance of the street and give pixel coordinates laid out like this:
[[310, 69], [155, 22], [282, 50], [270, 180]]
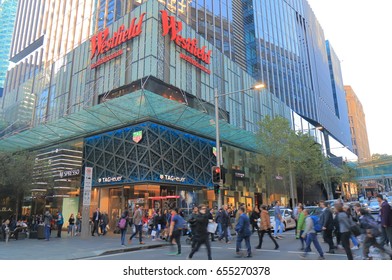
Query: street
[[288, 250]]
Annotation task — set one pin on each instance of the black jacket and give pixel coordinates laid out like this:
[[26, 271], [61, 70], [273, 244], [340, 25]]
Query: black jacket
[[199, 225], [326, 219]]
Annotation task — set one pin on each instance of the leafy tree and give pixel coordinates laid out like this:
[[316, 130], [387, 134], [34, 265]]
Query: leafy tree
[[16, 176]]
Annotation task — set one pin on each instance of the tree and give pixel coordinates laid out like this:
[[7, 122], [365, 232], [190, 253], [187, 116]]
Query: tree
[[273, 138], [16, 171], [283, 151]]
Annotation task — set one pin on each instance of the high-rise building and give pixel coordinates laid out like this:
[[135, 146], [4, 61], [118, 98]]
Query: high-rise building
[[359, 136], [137, 97], [7, 20]]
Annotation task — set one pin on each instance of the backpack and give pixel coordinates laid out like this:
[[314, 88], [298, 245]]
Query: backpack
[[316, 223], [122, 223]]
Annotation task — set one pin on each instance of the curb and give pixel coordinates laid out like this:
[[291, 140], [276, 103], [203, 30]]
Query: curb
[[124, 250]]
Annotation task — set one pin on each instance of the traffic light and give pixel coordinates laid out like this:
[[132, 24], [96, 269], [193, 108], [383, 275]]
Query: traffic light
[[216, 189], [216, 174]]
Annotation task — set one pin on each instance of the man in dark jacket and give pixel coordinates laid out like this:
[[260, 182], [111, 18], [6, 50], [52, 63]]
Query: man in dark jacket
[[200, 234], [386, 220], [326, 220], [225, 220], [243, 231]]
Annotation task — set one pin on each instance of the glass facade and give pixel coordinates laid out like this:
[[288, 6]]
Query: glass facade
[[7, 19]]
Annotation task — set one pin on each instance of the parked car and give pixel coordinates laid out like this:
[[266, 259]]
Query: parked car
[[373, 207], [287, 215], [314, 210]]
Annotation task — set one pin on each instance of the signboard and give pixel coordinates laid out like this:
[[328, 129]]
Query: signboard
[[88, 179], [101, 43], [172, 178], [172, 27], [69, 173], [110, 179]]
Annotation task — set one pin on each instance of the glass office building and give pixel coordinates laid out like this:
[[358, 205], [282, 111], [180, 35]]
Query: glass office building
[[137, 98], [7, 20]]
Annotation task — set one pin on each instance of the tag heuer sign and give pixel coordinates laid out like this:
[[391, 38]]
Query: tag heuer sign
[[137, 136], [69, 173]]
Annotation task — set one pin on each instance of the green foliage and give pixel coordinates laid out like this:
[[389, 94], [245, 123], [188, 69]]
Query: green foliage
[[16, 174]]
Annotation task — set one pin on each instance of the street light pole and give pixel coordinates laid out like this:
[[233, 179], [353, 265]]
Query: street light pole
[[218, 152]]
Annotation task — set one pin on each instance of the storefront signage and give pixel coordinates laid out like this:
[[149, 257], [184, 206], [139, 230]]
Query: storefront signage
[[172, 178], [110, 179], [69, 173], [170, 25], [101, 43], [5, 209]]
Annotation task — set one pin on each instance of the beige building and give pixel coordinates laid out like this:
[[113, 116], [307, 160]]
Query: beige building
[[358, 129]]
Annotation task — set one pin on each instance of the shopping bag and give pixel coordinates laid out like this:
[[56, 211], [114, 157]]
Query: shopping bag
[[153, 233], [211, 228]]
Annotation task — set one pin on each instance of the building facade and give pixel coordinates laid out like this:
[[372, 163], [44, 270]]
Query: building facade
[[357, 125], [7, 20], [137, 99]]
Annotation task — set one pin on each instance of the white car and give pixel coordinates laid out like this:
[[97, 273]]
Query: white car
[[287, 215]]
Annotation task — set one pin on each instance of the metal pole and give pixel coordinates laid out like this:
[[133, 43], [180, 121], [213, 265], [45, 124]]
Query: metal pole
[[291, 185], [218, 154]]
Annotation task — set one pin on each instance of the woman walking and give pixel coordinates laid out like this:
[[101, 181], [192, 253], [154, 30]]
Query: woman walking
[[265, 227], [71, 225], [344, 229]]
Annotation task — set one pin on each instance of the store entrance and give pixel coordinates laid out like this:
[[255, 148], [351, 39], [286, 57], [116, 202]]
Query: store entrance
[[112, 204]]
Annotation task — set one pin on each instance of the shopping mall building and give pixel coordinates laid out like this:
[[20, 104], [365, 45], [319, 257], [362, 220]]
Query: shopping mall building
[[134, 97]]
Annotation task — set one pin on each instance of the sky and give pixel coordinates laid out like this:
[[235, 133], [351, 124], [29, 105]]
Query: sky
[[360, 33]]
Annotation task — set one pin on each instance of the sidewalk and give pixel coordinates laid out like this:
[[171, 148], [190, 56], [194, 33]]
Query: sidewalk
[[71, 248]]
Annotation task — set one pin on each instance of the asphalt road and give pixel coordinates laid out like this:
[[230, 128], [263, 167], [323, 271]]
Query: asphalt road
[[288, 250]]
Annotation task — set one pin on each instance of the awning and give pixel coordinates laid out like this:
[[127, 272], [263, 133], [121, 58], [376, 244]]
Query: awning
[[131, 108]]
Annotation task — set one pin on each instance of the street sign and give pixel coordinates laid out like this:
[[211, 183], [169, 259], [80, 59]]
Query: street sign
[[88, 179]]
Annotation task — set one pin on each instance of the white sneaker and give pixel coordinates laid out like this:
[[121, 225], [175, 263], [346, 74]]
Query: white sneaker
[[354, 248]]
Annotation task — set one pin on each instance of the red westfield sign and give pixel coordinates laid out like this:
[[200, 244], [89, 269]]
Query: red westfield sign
[[101, 43], [169, 24]]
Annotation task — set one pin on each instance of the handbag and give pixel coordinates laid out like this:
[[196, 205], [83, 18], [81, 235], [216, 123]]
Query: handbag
[[211, 228], [355, 230]]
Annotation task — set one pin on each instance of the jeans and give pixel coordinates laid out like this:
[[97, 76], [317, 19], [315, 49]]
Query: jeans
[[278, 223], [247, 244], [71, 230], [47, 232], [123, 232], [219, 229], [354, 240], [303, 240], [312, 237], [224, 233], [138, 230]]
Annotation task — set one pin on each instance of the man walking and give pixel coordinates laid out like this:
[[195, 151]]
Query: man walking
[[386, 220], [200, 235], [96, 219], [243, 232], [311, 236], [225, 220], [326, 220], [138, 222], [278, 221], [175, 231], [47, 223]]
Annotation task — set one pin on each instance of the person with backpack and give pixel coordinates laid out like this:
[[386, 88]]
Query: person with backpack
[[312, 227], [372, 231], [177, 224], [122, 225]]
